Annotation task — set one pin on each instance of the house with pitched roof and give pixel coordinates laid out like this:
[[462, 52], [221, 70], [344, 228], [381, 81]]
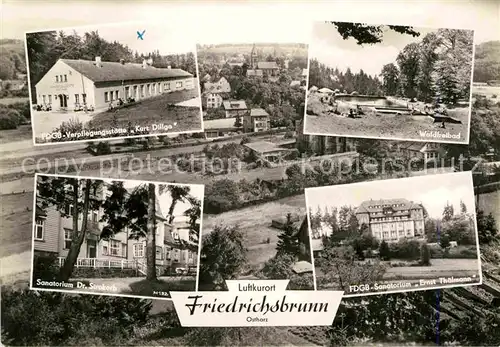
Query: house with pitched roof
[[214, 92], [71, 83], [235, 108], [426, 151], [257, 120], [53, 232], [392, 219]]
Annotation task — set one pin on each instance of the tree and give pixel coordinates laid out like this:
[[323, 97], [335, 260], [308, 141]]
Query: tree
[[223, 255], [75, 198], [151, 234], [486, 227], [408, 62], [194, 214], [178, 194], [370, 34], [448, 212], [390, 77], [463, 207], [288, 242], [444, 241], [425, 255], [237, 122], [384, 251]]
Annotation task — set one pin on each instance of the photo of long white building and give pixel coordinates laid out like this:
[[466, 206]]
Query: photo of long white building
[[74, 83]]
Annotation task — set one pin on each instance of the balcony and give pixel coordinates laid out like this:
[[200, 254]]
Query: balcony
[[102, 263]]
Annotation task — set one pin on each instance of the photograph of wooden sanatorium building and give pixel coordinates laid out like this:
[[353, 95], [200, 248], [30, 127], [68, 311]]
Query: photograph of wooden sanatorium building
[[176, 250], [392, 219], [77, 83]]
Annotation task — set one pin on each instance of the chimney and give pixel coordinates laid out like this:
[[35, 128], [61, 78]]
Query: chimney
[[144, 64], [122, 61], [98, 61]]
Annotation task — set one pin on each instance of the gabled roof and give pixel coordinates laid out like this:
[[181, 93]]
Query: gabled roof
[[235, 105], [267, 65], [399, 204], [111, 71], [251, 72], [221, 86], [258, 112]]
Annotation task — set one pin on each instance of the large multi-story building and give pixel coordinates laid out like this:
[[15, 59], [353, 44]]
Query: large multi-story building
[[392, 219], [175, 246], [72, 83]]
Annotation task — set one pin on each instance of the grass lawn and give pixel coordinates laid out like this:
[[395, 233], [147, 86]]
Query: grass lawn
[[13, 100], [155, 110], [255, 224], [23, 132], [389, 126], [16, 221]]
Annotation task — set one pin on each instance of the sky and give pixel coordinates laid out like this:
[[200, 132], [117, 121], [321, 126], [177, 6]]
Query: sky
[[211, 22], [165, 200], [331, 49], [432, 191]]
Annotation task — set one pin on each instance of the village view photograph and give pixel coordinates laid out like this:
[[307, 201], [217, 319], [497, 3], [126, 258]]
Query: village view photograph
[[131, 238], [254, 92], [254, 198], [389, 236], [112, 81], [389, 82]]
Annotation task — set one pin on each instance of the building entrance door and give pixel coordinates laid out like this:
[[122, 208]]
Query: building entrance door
[[92, 250], [63, 100]]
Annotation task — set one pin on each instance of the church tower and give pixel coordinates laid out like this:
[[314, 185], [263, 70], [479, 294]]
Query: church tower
[[253, 58]]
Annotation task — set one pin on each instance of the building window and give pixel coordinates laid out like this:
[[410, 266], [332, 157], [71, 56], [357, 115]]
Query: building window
[[50, 99], [39, 224], [69, 210], [57, 79], [143, 90], [176, 254], [159, 253], [67, 238], [168, 252], [84, 98], [115, 248], [95, 215], [60, 78], [77, 98], [124, 250], [106, 97], [43, 97], [65, 78], [117, 95], [149, 89], [178, 85], [138, 250]]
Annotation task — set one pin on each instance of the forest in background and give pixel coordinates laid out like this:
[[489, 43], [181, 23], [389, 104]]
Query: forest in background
[[487, 62], [436, 68], [45, 48]]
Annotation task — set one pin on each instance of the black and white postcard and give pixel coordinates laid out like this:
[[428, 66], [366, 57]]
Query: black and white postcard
[[112, 81], [389, 82], [395, 235], [115, 237]]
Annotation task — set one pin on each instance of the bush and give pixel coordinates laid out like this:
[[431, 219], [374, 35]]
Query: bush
[[279, 267], [73, 125], [301, 282], [45, 318], [45, 267], [405, 249], [103, 148], [8, 122], [425, 255]]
